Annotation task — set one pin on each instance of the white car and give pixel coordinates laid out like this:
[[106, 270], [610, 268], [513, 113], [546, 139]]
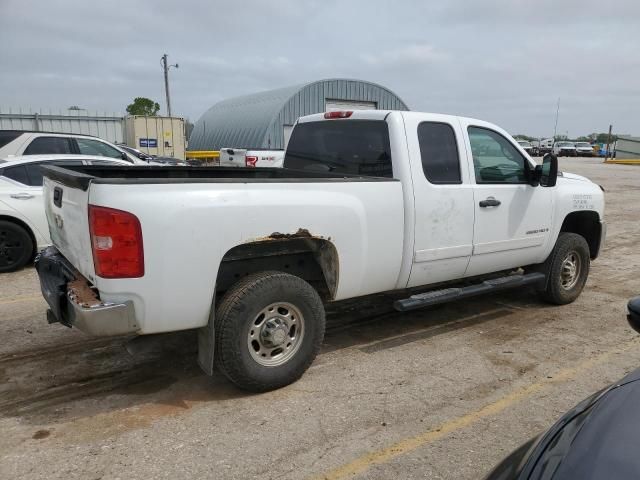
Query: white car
[[368, 201], [23, 224], [584, 149], [564, 149], [15, 143]]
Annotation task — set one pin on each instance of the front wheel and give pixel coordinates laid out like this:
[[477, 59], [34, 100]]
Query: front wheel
[[269, 327], [567, 269]]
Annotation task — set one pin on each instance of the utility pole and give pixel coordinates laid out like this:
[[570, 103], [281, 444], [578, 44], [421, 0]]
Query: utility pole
[[606, 154], [165, 70]]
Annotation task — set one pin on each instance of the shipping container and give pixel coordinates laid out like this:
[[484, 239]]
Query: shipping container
[[159, 136]]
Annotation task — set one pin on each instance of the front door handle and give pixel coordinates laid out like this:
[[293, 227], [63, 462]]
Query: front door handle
[[22, 196], [489, 202]]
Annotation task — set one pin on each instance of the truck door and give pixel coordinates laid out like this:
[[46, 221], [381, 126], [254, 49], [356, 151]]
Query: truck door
[[443, 199], [512, 218]]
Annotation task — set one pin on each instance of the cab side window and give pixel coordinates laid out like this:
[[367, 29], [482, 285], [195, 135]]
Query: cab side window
[[495, 159], [439, 152], [49, 145]]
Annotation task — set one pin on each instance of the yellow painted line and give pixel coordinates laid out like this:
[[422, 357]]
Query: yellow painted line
[[363, 463], [21, 299], [625, 161]]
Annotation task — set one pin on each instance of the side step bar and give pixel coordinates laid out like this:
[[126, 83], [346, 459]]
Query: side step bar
[[445, 295]]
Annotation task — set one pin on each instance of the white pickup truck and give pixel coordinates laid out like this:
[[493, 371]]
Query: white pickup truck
[[367, 202]]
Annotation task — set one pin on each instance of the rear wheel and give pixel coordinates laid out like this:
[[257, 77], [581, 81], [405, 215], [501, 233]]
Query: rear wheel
[[567, 269], [269, 328], [16, 247]]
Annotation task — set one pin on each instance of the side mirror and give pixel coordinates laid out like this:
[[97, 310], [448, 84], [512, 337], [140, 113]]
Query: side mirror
[[124, 156], [548, 170]]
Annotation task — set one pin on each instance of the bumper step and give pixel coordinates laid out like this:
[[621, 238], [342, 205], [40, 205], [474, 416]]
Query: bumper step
[[445, 295]]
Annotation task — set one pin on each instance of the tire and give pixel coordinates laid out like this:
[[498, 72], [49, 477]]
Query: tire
[[564, 282], [16, 247], [248, 337]]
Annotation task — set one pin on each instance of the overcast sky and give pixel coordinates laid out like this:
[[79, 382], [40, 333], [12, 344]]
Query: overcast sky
[[505, 61]]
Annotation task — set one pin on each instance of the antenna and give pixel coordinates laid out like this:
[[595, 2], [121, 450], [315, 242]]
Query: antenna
[[555, 129]]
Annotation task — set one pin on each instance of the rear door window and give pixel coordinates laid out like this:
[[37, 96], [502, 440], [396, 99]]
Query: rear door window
[[49, 145], [17, 173], [34, 170], [356, 147], [439, 152], [87, 146]]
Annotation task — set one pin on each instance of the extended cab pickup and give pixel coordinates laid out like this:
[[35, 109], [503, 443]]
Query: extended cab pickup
[[368, 202]]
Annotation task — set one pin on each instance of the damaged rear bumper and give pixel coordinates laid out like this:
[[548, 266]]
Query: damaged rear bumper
[[74, 303]]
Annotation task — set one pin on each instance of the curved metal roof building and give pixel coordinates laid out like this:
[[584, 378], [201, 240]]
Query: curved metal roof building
[[264, 120]]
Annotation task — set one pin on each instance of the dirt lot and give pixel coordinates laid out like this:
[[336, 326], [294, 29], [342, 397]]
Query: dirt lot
[[440, 393]]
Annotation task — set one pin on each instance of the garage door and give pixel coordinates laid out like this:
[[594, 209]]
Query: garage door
[[333, 105]]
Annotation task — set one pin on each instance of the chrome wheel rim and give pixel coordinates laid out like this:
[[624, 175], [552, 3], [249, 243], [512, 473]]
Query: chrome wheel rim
[[570, 270], [275, 334]]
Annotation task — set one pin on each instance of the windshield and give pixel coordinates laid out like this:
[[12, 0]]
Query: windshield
[[524, 143], [357, 147], [583, 144], [565, 144]]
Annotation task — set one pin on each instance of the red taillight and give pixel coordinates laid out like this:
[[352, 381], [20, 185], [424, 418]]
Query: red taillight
[[341, 114], [250, 161], [116, 241]]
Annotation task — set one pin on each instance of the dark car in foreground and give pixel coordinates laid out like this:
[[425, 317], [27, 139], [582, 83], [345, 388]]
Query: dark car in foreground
[[597, 439]]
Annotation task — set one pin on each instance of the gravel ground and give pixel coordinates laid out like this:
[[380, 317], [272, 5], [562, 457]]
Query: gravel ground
[[439, 393]]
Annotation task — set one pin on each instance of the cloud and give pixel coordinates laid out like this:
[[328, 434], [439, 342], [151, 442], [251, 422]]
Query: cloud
[[416, 54], [506, 61]]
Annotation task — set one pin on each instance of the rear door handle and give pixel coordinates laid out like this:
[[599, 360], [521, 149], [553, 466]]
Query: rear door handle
[[22, 196], [489, 202]]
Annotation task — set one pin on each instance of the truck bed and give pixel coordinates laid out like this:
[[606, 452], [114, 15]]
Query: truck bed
[[81, 176]]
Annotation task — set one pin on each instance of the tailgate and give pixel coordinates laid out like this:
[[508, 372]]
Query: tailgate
[[67, 214]]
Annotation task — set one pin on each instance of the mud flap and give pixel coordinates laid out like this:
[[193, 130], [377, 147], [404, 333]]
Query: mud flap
[[206, 343]]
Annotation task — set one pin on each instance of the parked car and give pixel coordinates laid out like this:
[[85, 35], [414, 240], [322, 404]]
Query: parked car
[[596, 439], [368, 201], [135, 152], [584, 149], [240, 157], [23, 225], [15, 143], [545, 146], [564, 149], [528, 147]]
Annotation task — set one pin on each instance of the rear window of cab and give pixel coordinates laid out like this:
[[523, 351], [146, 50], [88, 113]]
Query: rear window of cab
[[354, 147]]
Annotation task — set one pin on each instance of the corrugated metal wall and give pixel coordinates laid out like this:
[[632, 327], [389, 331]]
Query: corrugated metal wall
[[109, 127], [312, 98], [628, 147], [258, 120]]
